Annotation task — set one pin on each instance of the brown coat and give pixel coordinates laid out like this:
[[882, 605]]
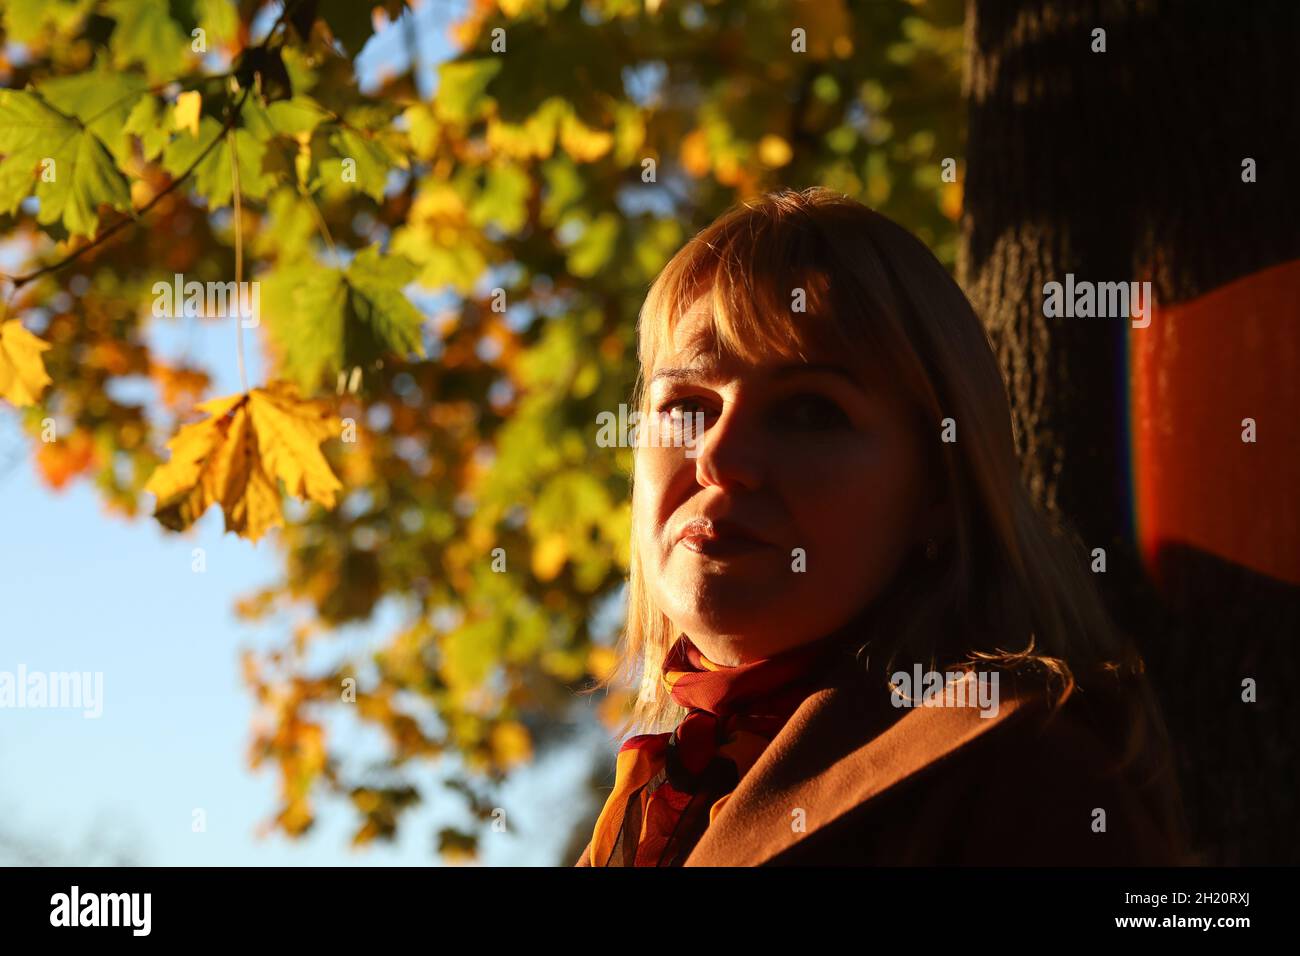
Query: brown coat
[[933, 785]]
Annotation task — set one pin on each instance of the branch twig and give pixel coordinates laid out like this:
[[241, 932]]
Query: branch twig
[[238, 200], [19, 281], [135, 214]]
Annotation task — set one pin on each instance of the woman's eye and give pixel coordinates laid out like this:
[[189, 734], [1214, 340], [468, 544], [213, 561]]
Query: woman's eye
[[812, 412], [678, 408]]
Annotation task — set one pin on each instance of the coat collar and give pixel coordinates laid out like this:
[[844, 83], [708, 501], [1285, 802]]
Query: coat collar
[[835, 753]]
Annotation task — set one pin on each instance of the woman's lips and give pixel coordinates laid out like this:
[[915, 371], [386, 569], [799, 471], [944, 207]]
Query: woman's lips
[[721, 547], [717, 539]]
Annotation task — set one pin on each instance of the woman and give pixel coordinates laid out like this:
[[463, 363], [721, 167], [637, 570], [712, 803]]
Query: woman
[[859, 642]]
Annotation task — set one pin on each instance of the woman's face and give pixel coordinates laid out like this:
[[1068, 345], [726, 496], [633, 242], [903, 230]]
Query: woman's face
[[792, 510]]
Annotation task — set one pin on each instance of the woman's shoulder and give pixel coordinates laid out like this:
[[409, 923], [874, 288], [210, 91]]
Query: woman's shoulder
[[1046, 785], [1022, 783], [1056, 789], [1028, 784]]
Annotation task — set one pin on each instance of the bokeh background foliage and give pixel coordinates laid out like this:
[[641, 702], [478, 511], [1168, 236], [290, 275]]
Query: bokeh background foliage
[[467, 299]]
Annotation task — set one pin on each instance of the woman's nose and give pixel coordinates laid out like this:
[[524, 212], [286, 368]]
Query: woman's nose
[[729, 454]]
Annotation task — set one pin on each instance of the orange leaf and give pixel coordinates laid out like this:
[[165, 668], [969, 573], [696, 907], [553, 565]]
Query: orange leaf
[[22, 371], [234, 457]]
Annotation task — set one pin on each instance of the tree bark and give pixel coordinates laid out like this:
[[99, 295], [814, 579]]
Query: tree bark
[[1127, 165]]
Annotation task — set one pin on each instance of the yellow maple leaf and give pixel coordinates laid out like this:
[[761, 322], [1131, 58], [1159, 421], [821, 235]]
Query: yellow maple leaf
[[549, 556], [511, 743], [290, 431], [22, 371], [774, 151], [188, 107], [234, 458], [696, 158], [602, 661], [584, 144], [950, 199]]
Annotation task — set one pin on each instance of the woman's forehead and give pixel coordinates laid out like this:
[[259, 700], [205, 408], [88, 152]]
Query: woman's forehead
[[694, 342]]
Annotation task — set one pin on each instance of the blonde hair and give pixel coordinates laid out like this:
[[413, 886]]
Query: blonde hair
[[1009, 590]]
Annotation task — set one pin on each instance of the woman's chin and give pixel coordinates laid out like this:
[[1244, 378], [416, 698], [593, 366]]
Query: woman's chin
[[748, 598], [740, 582], [741, 614]]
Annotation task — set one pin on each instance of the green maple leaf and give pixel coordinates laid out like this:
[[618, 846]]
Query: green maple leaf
[[26, 20], [369, 174], [150, 119], [220, 18], [301, 114], [70, 168], [330, 320], [462, 88], [291, 225], [212, 176], [146, 34], [101, 99], [593, 249], [504, 199]]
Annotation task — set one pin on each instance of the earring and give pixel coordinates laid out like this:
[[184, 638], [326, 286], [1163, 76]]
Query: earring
[[931, 549]]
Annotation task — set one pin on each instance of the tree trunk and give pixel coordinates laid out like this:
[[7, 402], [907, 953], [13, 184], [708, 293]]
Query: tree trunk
[[1128, 165]]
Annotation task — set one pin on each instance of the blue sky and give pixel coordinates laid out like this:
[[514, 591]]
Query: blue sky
[[81, 590]]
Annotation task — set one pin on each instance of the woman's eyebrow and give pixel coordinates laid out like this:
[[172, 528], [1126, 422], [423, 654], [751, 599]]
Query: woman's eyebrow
[[695, 373], [689, 373]]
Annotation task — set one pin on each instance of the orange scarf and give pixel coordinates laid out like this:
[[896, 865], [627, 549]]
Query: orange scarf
[[669, 787]]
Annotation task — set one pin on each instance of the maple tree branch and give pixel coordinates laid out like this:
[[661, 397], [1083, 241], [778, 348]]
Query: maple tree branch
[[154, 90], [239, 253], [135, 214], [19, 281]]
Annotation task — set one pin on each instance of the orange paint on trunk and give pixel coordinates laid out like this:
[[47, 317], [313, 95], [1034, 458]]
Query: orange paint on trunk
[[1200, 369]]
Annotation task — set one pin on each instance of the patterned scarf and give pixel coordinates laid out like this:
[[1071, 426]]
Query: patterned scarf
[[669, 787]]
